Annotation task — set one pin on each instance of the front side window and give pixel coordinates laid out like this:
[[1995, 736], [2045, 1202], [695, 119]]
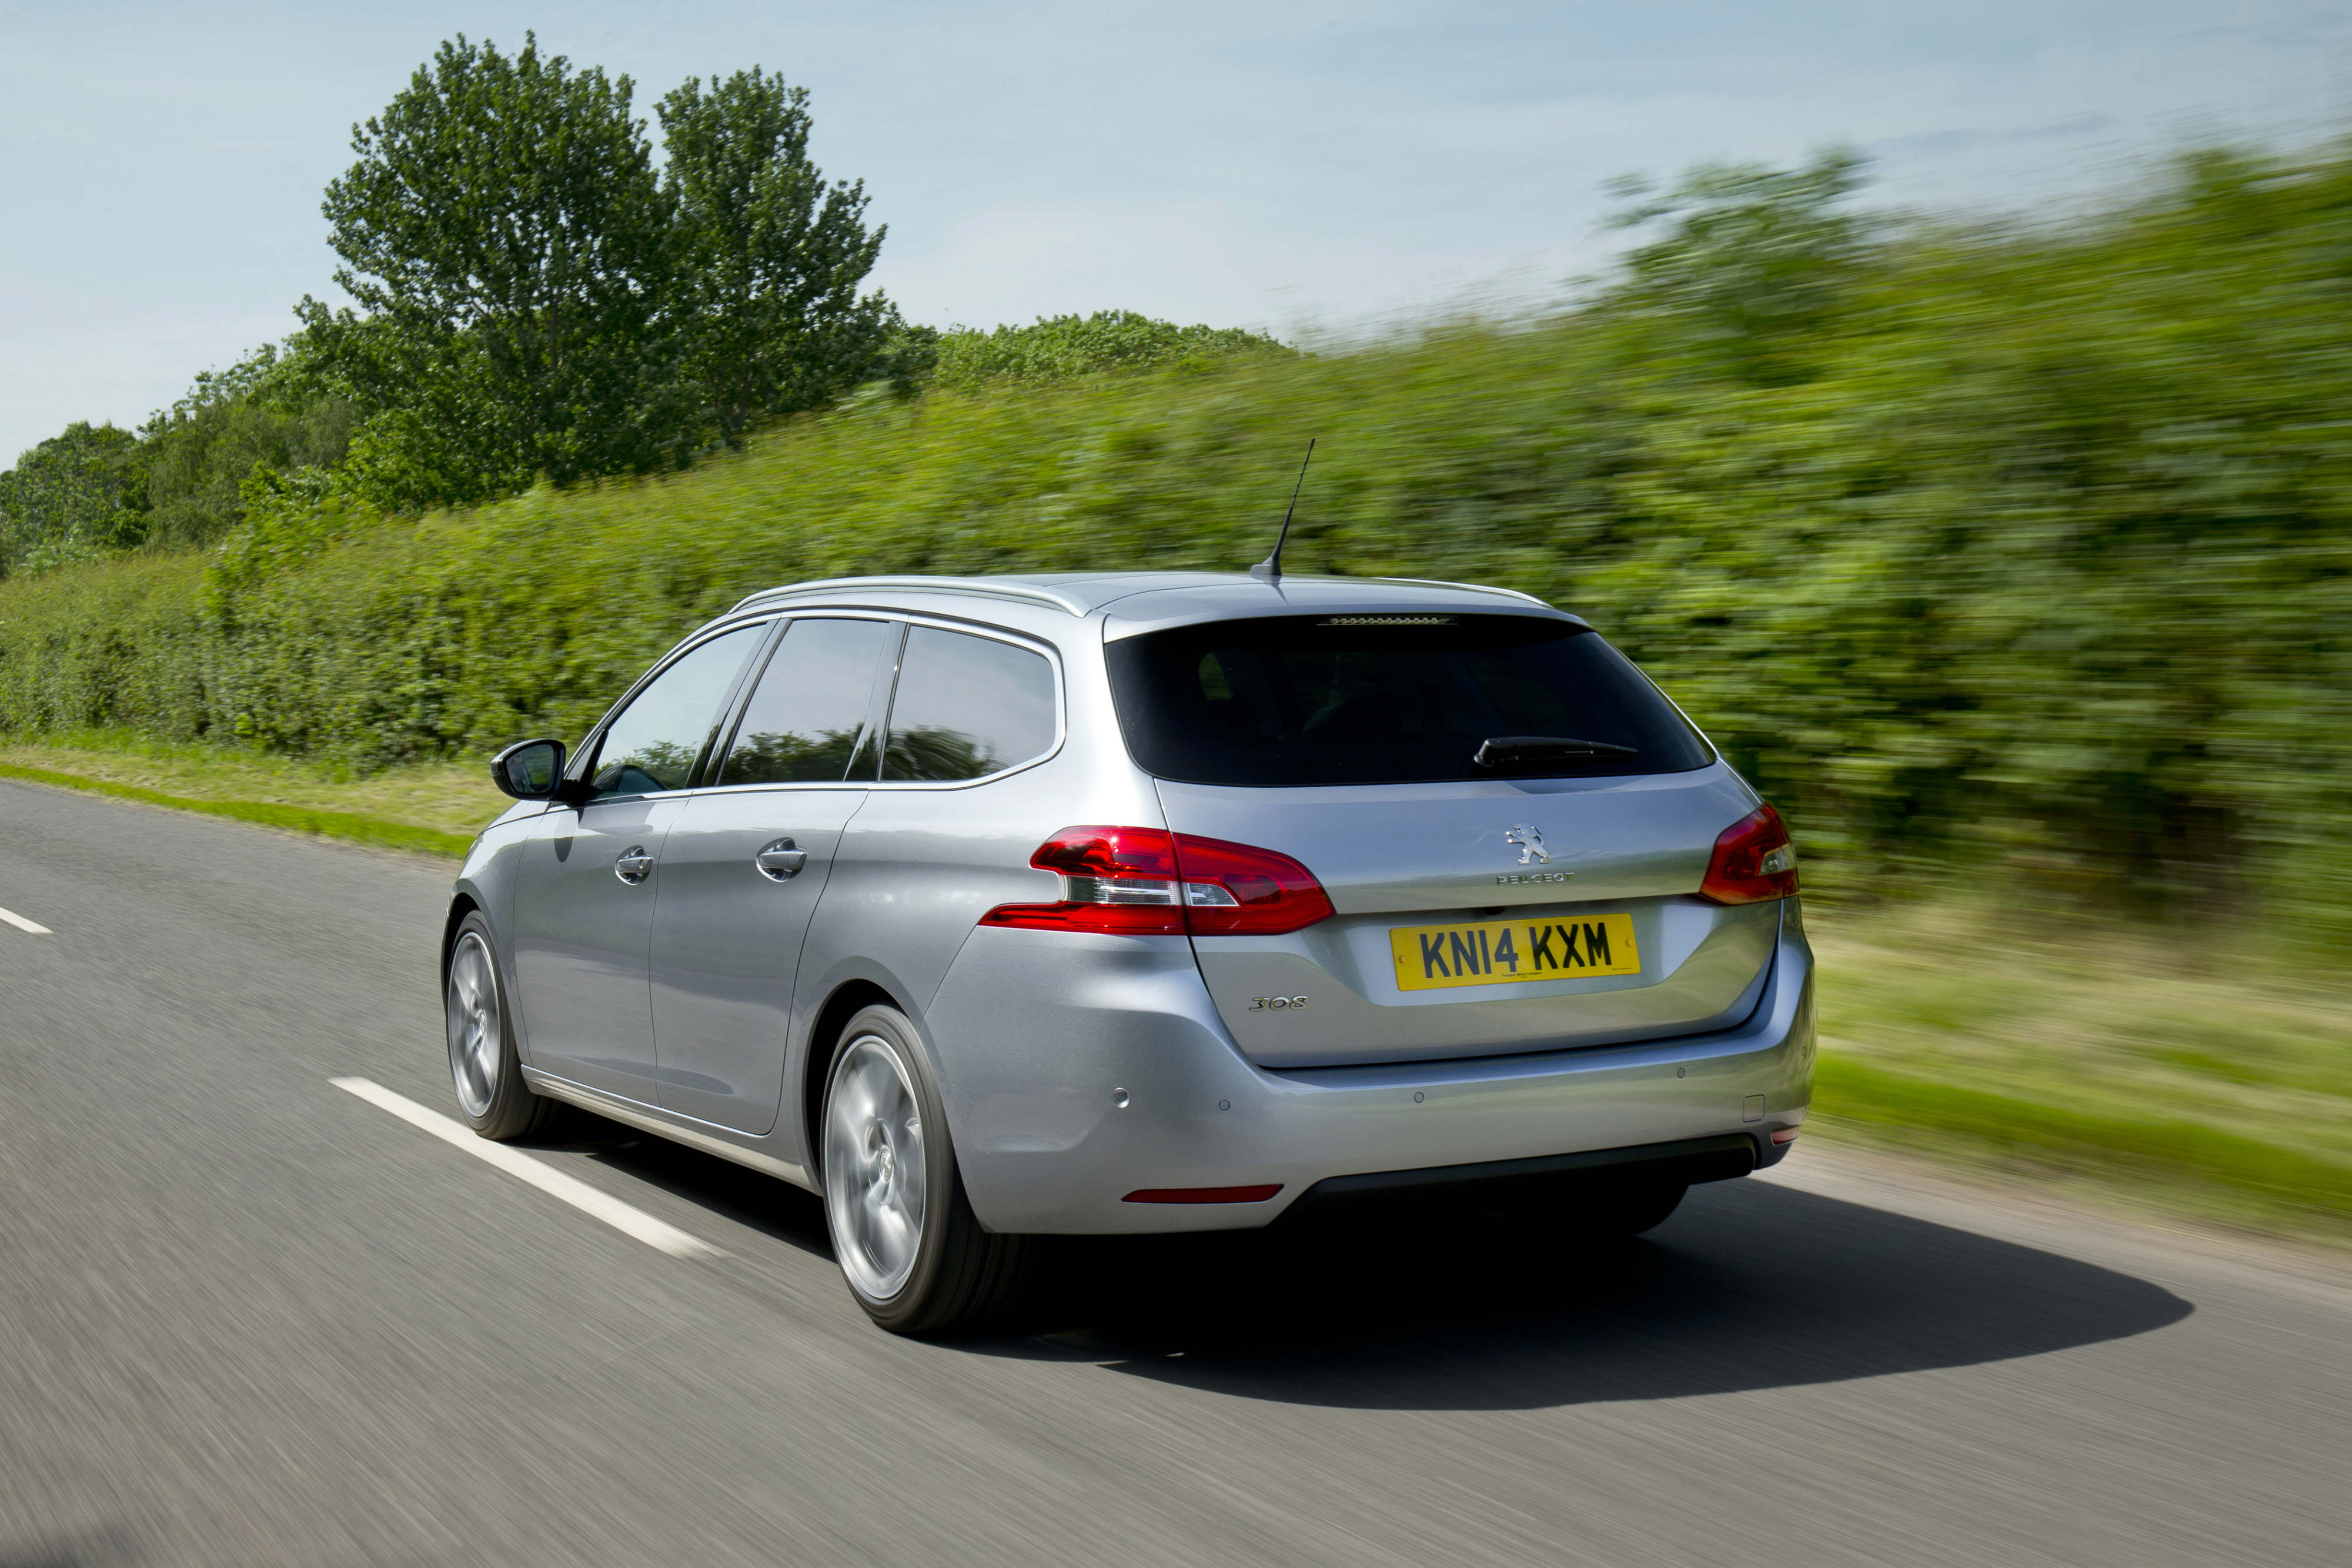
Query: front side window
[[654, 743], [967, 706], [808, 721]]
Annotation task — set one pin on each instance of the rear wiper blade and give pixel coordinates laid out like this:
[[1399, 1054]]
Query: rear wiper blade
[[1518, 750]]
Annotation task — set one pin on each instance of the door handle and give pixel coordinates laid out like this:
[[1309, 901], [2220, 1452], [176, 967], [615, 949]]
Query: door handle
[[634, 865], [781, 860]]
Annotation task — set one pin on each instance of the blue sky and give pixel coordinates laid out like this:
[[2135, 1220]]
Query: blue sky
[[1302, 167]]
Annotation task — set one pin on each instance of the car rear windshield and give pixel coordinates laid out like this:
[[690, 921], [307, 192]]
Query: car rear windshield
[[1386, 699]]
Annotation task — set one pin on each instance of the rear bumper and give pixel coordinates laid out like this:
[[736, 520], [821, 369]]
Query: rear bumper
[[1687, 1162], [1039, 1038]]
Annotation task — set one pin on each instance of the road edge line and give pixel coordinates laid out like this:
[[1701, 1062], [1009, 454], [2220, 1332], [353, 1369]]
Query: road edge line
[[624, 1217]]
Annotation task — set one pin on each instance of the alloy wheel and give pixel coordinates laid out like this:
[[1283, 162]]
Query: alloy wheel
[[474, 1036], [874, 1172]]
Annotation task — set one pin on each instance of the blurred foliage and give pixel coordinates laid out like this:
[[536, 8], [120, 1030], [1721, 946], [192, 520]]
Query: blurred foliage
[[2015, 549], [1754, 265], [1068, 348], [115, 644]]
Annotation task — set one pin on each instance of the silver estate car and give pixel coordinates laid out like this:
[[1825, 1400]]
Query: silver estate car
[[1145, 901]]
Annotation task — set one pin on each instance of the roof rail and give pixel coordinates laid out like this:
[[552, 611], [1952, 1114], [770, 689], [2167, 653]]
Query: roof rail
[[992, 588]]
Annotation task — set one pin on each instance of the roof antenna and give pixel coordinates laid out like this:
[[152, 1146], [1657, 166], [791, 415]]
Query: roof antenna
[[1270, 568]]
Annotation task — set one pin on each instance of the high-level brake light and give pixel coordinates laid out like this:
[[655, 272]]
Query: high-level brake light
[[1753, 860], [1135, 882]]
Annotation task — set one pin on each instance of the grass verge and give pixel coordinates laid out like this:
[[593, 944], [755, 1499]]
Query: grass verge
[[2193, 1071], [433, 810], [2257, 1177], [348, 825]]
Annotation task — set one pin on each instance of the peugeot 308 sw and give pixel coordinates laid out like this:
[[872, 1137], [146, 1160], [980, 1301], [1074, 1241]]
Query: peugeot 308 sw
[[988, 908]]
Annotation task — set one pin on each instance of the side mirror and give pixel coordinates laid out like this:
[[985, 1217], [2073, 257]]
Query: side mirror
[[529, 770]]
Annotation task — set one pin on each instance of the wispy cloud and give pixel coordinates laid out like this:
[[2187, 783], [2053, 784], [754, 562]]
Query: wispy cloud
[[1936, 143]]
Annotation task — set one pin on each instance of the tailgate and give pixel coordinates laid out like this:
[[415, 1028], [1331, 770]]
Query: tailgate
[[1485, 917]]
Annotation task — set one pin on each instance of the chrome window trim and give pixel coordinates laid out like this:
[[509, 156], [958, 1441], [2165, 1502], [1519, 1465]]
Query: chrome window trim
[[1022, 639], [733, 720], [776, 617]]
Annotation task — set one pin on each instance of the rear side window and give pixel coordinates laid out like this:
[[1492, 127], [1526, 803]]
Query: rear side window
[[967, 706], [657, 739], [808, 721], [1389, 699]]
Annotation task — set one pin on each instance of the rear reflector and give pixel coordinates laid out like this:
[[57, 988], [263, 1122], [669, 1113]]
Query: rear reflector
[[1203, 1194], [1786, 1134]]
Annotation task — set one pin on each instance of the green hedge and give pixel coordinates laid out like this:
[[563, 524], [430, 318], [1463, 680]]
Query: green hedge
[[113, 644], [2035, 556]]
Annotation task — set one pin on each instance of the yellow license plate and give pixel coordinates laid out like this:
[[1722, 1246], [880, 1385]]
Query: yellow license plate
[[1497, 952]]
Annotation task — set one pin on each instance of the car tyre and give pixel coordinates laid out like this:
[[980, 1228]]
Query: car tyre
[[484, 1066], [911, 1249]]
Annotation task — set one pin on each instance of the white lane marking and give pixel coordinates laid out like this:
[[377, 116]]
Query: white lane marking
[[21, 923], [620, 1216]]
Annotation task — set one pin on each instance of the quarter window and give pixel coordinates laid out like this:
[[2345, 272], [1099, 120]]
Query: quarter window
[[654, 742], [807, 719], [967, 706]]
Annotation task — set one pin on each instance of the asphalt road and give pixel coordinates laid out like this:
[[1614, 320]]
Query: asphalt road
[[248, 1317]]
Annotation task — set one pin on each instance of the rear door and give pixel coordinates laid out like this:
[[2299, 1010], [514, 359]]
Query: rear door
[[747, 860], [1543, 901]]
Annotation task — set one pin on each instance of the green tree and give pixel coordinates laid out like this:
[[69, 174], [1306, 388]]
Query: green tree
[[76, 496], [1065, 348], [1753, 262], [509, 249], [771, 255], [266, 410]]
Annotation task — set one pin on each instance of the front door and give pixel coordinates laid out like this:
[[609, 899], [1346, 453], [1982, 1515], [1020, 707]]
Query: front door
[[580, 924], [584, 891], [746, 862]]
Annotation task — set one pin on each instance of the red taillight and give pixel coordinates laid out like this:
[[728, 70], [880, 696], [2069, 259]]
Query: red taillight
[[1232, 890], [1116, 879], [1135, 882], [1753, 860]]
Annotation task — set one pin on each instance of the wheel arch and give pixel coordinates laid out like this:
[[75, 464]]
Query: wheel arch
[[847, 1001], [463, 904]]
